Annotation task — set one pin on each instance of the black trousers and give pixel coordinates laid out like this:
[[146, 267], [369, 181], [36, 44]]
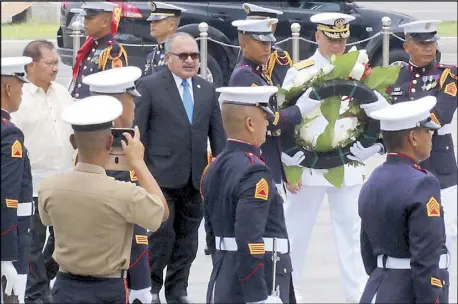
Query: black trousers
[[70, 288], [42, 267], [175, 243]]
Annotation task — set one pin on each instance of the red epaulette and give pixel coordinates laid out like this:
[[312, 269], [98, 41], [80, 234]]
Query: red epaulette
[[420, 168]]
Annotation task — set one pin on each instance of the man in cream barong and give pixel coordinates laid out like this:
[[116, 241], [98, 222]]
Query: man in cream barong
[[305, 199]]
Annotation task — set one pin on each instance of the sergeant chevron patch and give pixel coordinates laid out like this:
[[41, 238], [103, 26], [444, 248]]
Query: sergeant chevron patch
[[257, 248], [436, 282], [451, 89], [141, 239], [262, 190], [133, 176], [16, 149], [433, 207], [11, 203]]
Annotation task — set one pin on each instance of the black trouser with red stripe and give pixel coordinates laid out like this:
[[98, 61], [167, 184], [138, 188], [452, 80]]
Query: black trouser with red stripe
[[70, 288], [42, 268]]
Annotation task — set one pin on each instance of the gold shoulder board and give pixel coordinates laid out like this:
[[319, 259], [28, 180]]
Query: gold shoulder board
[[304, 64]]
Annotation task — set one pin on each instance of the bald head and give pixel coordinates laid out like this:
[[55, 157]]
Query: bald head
[[246, 123]]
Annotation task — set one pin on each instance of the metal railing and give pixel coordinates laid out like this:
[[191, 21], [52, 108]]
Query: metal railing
[[77, 34]]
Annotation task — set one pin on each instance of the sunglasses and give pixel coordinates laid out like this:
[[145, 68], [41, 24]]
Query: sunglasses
[[184, 56]]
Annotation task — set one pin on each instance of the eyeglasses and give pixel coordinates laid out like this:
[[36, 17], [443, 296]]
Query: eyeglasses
[[50, 64], [184, 56]]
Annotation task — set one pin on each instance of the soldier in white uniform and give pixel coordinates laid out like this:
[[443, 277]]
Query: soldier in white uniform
[[332, 32]]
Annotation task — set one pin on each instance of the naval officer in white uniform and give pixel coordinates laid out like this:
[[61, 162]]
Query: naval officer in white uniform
[[333, 29]]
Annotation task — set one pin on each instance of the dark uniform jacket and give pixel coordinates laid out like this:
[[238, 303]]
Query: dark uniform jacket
[[155, 61], [241, 201], [401, 217], [17, 196], [138, 274], [437, 80], [102, 54], [248, 74], [278, 65]]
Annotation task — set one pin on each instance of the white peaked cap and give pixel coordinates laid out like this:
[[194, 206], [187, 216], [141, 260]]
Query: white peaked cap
[[407, 115], [248, 96], [113, 81], [92, 113], [15, 66]]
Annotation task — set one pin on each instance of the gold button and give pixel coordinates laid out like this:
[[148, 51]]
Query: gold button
[[285, 271], [417, 75], [413, 90], [414, 82], [79, 86], [395, 98], [93, 50], [90, 70], [85, 67], [158, 52], [446, 148], [77, 95], [88, 58]]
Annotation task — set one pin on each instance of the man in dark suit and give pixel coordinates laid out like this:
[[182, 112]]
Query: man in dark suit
[[176, 113]]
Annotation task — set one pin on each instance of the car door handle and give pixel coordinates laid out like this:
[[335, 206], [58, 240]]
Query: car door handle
[[221, 16]]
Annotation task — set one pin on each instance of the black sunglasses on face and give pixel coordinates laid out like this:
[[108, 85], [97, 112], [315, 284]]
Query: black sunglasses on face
[[184, 56]]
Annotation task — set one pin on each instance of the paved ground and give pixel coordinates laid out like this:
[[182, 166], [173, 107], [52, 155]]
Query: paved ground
[[321, 280]]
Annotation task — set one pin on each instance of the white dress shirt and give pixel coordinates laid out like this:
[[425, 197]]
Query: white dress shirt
[[46, 136], [178, 81]]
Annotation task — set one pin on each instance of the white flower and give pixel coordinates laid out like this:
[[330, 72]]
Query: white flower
[[358, 71], [327, 69], [341, 129], [310, 132], [314, 113], [362, 57]]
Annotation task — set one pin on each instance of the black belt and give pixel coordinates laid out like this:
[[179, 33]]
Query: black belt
[[122, 275]]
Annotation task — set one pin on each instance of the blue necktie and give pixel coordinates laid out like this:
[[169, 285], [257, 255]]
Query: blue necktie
[[187, 99]]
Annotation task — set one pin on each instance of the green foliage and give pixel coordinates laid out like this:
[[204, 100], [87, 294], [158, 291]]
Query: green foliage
[[293, 173], [381, 78], [335, 176], [343, 65]]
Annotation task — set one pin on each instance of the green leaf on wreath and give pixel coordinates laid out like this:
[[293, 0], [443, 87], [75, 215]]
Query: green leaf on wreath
[[335, 176], [293, 173], [381, 78], [343, 65], [330, 108], [324, 141]]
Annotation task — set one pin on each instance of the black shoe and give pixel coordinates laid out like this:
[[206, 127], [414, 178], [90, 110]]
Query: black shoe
[[178, 300], [156, 299]]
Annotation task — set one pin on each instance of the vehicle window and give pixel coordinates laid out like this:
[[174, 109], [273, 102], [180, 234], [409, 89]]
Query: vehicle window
[[332, 6]]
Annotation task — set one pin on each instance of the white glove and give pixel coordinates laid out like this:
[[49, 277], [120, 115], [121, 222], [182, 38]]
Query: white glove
[[307, 104], [143, 295], [292, 161], [360, 153], [377, 105], [273, 300], [10, 273], [19, 289]]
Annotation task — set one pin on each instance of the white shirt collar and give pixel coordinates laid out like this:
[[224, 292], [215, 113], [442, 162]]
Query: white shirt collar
[[179, 80], [33, 89]]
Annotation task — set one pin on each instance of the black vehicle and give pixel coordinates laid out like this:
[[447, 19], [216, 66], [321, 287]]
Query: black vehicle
[[134, 30]]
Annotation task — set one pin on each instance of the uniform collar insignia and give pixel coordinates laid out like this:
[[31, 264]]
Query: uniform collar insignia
[[415, 69], [256, 67], [103, 39]]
